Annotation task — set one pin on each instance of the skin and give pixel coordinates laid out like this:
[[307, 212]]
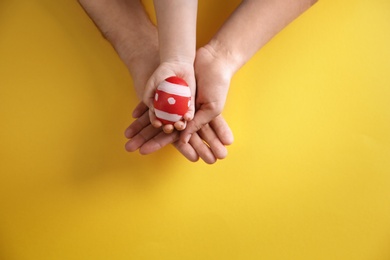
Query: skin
[[246, 31], [215, 64], [176, 22], [230, 48], [125, 24]]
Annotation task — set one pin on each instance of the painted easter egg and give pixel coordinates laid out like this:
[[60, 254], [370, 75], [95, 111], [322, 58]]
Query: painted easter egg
[[172, 100]]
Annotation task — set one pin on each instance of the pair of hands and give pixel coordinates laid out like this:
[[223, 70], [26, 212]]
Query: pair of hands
[[126, 25], [207, 133]]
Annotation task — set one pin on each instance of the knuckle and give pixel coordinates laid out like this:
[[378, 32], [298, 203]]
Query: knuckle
[[215, 108]]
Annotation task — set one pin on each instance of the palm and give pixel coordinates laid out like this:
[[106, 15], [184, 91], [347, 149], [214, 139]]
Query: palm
[[213, 80]]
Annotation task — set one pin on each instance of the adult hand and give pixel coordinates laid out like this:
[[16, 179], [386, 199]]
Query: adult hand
[[213, 79], [134, 38], [213, 75], [148, 139]]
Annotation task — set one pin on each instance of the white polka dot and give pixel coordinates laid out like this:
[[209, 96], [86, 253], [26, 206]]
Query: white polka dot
[[156, 97], [171, 101]]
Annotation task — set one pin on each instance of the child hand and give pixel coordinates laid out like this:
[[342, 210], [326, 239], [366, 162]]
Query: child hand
[[184, 70]]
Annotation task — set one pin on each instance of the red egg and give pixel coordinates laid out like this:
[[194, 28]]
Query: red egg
[[172, 100]]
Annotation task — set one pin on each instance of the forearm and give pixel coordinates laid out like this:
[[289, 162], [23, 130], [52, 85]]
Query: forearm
[[176, 22], [251, 26], [124, 23]]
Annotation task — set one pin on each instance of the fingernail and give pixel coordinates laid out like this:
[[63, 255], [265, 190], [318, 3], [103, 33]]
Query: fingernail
[[129, 133]]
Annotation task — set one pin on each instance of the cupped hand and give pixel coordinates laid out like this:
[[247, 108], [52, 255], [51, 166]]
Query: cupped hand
[[135, 40], [181, 69], [213, 77], [208, 143]]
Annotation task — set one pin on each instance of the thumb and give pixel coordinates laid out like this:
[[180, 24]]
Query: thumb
[[189, 115], [191, 109], [151, 86]]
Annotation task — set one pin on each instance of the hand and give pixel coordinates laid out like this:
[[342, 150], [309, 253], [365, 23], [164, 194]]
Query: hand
[[210, 71], [184, 70], [148, 139], [213, 77], [135, 39]]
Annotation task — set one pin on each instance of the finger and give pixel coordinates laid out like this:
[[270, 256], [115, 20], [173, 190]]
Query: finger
[[180, 125], [158, 141], [153, 119], [139, 110], [168, 128], [189, 115], [142, 137], [209, 136], [222, 129], [202, 149], [139, 124], [187, 150], [201, 118]]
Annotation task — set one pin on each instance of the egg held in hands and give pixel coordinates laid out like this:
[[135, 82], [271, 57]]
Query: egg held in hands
[[172, 100]]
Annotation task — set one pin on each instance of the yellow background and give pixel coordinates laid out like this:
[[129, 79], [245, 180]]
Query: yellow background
[[308, 176]]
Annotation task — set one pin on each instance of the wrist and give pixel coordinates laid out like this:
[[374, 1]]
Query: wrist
[[125, 24], [131, 47], [172, 49], [233, 59], [177, 59]]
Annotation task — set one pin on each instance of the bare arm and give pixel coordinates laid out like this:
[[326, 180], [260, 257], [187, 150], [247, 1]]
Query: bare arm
[[176, 24], [246, 31], [252, 25], [128, 28], [126, 25], [121, 21]]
